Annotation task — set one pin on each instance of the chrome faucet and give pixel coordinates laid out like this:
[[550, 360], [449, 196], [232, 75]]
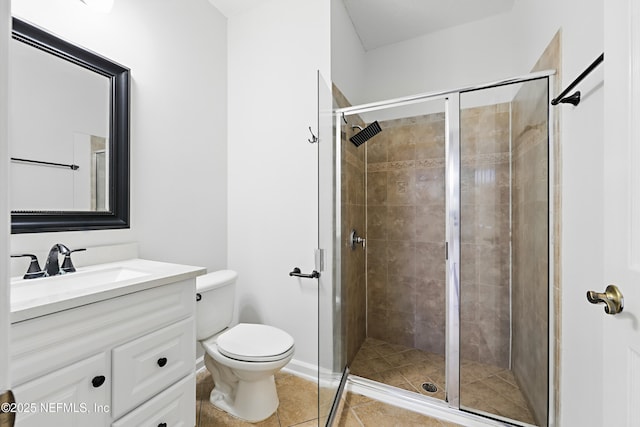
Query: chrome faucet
[[52, 266]]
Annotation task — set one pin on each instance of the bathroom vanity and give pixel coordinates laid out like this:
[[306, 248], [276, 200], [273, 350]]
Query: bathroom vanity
[[110, 345]]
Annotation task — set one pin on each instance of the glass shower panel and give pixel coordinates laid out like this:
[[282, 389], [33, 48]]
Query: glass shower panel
[[504, 255], [394, 285]]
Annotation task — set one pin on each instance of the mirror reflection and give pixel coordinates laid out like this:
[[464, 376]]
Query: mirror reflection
[[59, 134]]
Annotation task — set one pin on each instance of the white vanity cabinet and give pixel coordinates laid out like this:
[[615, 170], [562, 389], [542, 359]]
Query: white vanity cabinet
[[123, 361]]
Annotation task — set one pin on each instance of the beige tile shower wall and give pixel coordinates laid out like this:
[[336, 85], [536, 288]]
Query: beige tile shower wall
[[353, 217], [485, 234], [353, 260], [406, 232]]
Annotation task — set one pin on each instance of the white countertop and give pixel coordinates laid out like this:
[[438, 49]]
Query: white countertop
[[39, 297]]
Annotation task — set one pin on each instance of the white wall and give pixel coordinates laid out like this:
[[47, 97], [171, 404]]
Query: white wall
[[274, 52], [176, 51], [478, 52], [509, 45], [347, 55]]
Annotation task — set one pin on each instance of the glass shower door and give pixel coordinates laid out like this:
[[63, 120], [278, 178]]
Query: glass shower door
[[504, 270], [392, 162]]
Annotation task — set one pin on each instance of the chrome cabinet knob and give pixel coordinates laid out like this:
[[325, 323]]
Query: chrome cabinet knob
[[611, 297]]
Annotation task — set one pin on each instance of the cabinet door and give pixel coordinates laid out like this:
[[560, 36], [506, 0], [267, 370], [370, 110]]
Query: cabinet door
[[77, 395]]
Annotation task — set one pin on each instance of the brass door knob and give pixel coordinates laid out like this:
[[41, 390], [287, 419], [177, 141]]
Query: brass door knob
[[611, 297]]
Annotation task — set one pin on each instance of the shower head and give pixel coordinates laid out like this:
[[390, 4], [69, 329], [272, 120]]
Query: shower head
[[365, 134]]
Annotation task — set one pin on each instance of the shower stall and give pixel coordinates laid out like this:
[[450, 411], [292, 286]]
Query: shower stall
[[441, 256]]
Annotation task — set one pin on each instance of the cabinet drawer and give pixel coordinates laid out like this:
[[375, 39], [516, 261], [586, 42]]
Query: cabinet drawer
[[173, 406], [77, 395], [44, 344], [145, 366]]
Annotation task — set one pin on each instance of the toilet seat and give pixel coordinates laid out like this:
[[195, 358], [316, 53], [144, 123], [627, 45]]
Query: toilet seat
[[255, 343]]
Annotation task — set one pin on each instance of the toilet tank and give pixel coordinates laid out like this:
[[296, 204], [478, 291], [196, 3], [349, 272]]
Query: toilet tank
[[215, 299]]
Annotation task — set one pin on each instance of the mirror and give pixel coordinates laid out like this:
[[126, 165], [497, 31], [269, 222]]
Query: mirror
[[69, 136]]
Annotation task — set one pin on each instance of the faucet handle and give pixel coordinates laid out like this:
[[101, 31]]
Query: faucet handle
[[34, 270], [67, 264]]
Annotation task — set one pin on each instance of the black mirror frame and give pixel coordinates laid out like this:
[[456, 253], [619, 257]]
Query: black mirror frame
[[118, 214]]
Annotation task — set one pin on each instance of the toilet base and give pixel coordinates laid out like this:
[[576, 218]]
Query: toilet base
[[254, 401]]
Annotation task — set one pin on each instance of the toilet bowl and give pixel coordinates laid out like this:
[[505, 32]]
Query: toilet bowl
[[241, 359], [243, 370]]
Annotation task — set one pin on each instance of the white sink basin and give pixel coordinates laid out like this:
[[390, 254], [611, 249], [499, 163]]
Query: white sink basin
[[34, 297], [24, 290]]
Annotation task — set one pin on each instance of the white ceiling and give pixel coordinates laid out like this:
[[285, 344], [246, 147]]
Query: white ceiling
[[382, 22]]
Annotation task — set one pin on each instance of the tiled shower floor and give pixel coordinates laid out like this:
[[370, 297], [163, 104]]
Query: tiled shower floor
[[486, 388]]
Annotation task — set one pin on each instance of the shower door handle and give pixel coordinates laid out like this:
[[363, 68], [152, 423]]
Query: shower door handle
[[611, 297]]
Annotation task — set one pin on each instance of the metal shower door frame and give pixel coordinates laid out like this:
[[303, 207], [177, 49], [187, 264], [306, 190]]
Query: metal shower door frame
[[452, 249]]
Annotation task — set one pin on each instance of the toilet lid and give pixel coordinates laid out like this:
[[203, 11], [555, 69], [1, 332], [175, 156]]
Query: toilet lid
[[255, 343]]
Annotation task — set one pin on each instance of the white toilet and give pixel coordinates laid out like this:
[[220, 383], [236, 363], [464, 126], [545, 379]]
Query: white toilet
[[242, 359]]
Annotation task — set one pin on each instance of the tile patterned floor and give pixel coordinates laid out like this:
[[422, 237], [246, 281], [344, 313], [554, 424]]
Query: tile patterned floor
[[399, 366], [360, 411], [493, 390], [298, 407], [483, 387]]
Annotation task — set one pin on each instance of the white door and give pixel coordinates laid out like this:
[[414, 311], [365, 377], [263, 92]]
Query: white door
[[5, 20], [621, 338]]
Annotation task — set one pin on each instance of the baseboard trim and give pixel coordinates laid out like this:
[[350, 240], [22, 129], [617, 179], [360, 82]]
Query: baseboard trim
[[302, 369]]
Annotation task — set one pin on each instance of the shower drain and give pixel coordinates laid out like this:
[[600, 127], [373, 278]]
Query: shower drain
[[430, 387]]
